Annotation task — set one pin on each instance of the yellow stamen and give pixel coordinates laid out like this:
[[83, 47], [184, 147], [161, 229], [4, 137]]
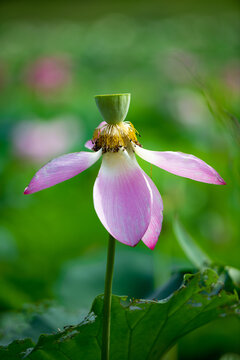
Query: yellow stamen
[[112, 137]]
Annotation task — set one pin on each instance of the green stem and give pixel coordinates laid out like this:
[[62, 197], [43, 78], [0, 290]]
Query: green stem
[[108, 299]]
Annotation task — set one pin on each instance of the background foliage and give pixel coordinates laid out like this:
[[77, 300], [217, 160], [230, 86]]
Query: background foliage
[[182, 69]]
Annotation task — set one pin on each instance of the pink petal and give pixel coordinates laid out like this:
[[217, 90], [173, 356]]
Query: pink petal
[[181, 164], [122, 197], [151, 236], [89, 145], [102, 123], [60, 169]]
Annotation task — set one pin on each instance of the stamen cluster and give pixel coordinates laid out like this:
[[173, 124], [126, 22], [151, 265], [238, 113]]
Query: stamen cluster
[[112, 137]]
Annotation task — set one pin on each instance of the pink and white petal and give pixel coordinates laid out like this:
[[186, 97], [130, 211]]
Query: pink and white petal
[[122, 197], [102, 123], [151, 236], [181, 164], [60, 169], [89, 145]]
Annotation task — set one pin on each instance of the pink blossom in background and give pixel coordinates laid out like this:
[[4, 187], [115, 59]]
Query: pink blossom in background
[[189, 108], [126, 200], [49, 73], [39, 141]]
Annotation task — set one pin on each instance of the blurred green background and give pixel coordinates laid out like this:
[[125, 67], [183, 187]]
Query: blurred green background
[[180, 61]]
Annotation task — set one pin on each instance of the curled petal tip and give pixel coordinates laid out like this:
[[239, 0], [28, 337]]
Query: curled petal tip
[[151, 247], [216, 180], [26, 191], [221, 181]]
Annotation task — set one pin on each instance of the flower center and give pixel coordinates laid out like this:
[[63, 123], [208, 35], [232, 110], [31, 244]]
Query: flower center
[[112, 137]]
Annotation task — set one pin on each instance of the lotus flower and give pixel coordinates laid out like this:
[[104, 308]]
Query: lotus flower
[[38, 140], [125, 198], [49, 73]]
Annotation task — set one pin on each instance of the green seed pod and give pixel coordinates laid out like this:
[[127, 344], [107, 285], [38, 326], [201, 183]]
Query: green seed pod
[[113, 108]]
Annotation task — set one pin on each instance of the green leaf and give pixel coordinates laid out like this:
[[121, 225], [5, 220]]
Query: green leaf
[[16, 350], [34, 320], [230, 357], [192, 250], [234, 275], [140, 329]]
